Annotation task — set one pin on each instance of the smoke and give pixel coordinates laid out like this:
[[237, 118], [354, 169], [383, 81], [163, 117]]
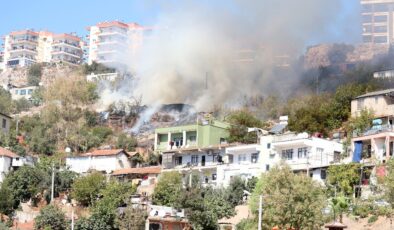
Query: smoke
[[215, 53]]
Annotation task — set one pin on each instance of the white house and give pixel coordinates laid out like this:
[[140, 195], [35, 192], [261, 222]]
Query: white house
[[22, 92], [105, 160], [301, 152], [6, 161], [202, 162]]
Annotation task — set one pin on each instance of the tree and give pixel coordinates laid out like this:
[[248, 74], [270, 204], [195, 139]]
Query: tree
[[34, 74], [235, 191], [5, 101], [205, 206], [86, 189], [389, 183], [21, 105], [344, 177], [291, 201], [126, 142], [340, 204], [132, 218], [50, 217], [25, 183], [240, 121], [6, 201], [168, 189]]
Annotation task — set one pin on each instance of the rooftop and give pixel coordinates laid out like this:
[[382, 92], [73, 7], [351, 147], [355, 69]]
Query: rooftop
[[386, 92], [143, 170], [104, 152], [7, 153]]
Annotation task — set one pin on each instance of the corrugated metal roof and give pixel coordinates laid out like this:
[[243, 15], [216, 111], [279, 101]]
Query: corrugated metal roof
[[278, 128]]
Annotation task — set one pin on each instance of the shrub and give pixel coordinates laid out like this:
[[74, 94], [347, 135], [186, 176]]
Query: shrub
[[50, 217], [372, 219], [86, 189]]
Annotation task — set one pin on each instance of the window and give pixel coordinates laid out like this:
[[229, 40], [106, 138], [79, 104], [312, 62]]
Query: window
[[192, 140], [29, 91], [16, 92], [319, 151], [268, 145], [380, 29], [376, 99], [360, 104], [267, 167], [178, 160], [323, 174], [4, 123], [230, 159], [241, 157], [255, 158], [337, 156], [223, 140], [194, 159], [380, 18], [178, 142], [287, 154], [367, 18], [214, 176], [380, 39], [381, 7], [302, 152], [367, 38], [22, 92]]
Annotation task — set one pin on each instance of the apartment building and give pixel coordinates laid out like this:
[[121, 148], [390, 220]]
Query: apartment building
[[115, 43], [195, 149], [25, 47], [377, 21]]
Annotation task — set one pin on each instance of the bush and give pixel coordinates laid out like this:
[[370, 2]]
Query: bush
[[50, 217], [362, 210], [34, 74], [372, 219], [86, 189]]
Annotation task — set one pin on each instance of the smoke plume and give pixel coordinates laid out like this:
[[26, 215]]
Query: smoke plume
[[207, 53]]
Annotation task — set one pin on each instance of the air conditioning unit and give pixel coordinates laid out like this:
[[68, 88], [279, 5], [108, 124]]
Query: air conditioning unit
[[209, 152]]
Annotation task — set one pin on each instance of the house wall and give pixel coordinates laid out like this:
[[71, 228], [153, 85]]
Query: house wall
[[380, 105], [99, 163], [6, 128], [5, 165]]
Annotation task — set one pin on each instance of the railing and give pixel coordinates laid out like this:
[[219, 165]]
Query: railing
[[66, 42], [374, 130]]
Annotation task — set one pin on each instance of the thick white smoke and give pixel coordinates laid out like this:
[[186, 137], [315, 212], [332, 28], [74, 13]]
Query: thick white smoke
[[206, 53]]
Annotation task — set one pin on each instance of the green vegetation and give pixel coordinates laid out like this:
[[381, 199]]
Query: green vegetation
[[86, 189], [168, 189], [240, 121], [34, 74], [290, 200], [50, 217], [344, 177]]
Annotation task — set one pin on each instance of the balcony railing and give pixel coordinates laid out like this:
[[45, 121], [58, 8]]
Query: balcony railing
[[374, 130], [59, 42]]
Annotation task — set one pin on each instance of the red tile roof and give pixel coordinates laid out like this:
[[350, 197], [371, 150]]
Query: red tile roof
[[105, 152], [7, 153], [113, 23], [69, 36], [143, 170], [21, 32]]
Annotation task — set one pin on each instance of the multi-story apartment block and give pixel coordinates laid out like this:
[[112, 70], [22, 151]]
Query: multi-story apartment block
[[114, 43], [193, 149], [66, 48], [23, 48], [377, 21]]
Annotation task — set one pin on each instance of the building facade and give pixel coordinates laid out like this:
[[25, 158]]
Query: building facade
[[115, 43], [195, 149], [25, 47], [22, 92], [106, 161], [377, 21], [5, 122]]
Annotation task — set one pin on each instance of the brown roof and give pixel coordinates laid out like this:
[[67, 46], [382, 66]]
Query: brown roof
[[7, 153], [104, 152], [143, 170]]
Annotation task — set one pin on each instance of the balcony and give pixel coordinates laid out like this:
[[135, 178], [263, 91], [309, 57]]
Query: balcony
[[375, 130], [23, 50], [64, 52], [24, 41], [66, 43]]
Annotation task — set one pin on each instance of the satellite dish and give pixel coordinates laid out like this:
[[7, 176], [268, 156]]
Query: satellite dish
[[68, 150]]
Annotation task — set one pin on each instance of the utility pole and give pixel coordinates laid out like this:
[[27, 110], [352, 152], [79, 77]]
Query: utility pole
[[72, 218], [260, 211], [53, 182]]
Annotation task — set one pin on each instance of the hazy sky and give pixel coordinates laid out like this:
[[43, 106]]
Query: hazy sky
[[76, 15]]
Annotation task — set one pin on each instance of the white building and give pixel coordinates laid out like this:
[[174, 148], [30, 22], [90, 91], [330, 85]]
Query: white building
[[113, 43], [377, 21], [6, 161], [25, 47], [102, 77], [106, 161], [200, 162], [301, 152], [22, 92]]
